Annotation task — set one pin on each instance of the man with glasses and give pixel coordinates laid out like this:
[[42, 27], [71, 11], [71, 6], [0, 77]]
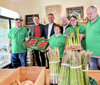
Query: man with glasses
[[16, 37]]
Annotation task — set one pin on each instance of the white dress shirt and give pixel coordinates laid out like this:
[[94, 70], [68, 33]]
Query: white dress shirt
[[64, 28], [49, 30]]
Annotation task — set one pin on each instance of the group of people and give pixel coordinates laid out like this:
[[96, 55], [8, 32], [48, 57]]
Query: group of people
[[89, 37]]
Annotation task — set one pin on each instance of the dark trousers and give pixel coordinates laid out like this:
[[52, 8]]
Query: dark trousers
[[15, 59], [42, 63]]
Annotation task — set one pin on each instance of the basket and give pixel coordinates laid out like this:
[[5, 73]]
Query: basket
[[35, 47]]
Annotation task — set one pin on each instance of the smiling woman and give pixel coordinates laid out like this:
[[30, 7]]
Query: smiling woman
[[82, 29], [57, 40]]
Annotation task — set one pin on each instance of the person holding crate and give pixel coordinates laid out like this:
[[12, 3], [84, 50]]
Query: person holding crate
[[37, 30], [82, 29]]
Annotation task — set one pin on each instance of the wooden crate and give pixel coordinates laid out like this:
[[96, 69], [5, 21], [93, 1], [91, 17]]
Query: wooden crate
[[95, 74], [91, 73], [35, 74], [74, 47]]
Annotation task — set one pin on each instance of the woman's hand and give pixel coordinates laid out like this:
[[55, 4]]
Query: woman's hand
[[26, 38]]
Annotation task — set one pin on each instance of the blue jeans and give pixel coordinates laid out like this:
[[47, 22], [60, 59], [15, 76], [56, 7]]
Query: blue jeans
[[15, 59], [94, 63]]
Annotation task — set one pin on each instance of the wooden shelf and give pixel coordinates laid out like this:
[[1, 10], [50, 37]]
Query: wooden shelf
[[27, 26]]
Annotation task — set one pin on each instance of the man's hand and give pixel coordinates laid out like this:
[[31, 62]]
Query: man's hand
[[42, 38], [8, 46], [42, 51], [8, 50], [80, 37], [26, 38]]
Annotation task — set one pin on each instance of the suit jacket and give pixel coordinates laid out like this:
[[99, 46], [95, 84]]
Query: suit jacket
[[62, 28], [31, 31], [46, 30]]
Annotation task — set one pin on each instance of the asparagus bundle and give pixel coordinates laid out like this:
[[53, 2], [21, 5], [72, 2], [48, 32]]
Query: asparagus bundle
[[79, 70], [85, 60], [54, 63], [72, 37], [64, 70], [73, 70]]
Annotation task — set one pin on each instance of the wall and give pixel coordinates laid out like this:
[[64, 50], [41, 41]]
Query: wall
[[7, 4], [38, 6], [27, 7], [97, 3]]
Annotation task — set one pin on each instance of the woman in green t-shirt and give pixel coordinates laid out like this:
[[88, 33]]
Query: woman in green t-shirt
[[57, 40], [82, 30]]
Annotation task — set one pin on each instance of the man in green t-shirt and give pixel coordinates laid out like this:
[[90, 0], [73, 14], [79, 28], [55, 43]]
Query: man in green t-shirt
[[16, 37], [93, 36]]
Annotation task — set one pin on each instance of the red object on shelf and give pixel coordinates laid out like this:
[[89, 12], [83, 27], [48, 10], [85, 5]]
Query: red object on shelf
[[32, 42], [42, 44]]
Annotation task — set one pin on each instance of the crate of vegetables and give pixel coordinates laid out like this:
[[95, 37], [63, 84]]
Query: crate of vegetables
[[36, 43], [72, 40]]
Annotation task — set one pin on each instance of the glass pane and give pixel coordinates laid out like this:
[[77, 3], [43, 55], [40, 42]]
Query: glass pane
[[4, 28], [12, 23]]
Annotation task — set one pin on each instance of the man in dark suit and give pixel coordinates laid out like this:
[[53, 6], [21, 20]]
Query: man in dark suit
[[65, 24], [49, 28], [37, 30]]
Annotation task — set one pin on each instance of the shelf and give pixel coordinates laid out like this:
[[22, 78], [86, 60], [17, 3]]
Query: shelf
[[4, 54], [4, 65]]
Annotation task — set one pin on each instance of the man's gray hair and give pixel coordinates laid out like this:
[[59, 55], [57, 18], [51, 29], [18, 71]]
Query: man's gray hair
[[93, 7]]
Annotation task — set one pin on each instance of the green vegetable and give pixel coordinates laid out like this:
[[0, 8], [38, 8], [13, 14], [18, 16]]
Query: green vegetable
[[72, 37], [64, 70], [54, 62]]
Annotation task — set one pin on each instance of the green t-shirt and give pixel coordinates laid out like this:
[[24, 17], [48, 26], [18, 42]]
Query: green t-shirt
[[17, 38], [81, 31], [93, 36], [58, 42]]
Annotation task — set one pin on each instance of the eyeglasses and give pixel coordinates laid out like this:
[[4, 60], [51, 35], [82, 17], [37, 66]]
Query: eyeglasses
[[17, 22]]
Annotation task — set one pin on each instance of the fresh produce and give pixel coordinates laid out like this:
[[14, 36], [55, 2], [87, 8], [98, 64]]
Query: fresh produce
[[64, 70], [54, 63], [32, 42], [72, 37], [36, 43], [85, 60], [73, 69], [27, 82], [42, 44]]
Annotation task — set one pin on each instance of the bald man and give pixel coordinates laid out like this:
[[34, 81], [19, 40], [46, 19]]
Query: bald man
[[93, 36], [65, 24]]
